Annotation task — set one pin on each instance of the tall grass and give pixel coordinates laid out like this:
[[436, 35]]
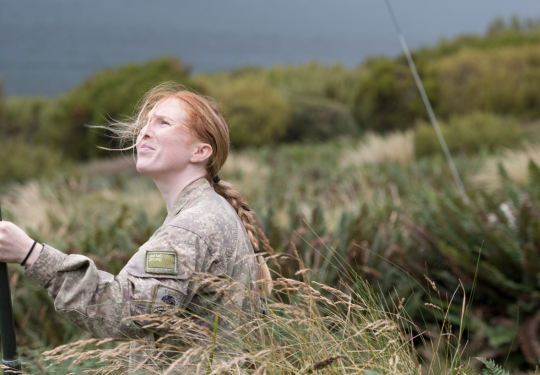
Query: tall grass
[[320, 329], [355, 211], [308, 327]]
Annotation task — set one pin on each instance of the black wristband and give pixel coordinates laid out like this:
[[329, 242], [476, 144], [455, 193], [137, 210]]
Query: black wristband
[[28, 255]]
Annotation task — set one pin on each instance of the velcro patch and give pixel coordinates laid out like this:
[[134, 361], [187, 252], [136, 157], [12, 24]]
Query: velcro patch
[[166, 298], [161, 262]]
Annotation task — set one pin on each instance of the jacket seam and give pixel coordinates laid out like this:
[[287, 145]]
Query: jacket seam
[[188, 230]]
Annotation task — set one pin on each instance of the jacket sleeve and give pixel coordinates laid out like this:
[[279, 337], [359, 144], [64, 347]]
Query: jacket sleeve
[[99, 302]]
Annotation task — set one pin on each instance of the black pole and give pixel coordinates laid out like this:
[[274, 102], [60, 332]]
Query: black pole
[[7, 328]]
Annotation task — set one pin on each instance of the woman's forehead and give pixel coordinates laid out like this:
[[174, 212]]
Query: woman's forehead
[[172, 108]]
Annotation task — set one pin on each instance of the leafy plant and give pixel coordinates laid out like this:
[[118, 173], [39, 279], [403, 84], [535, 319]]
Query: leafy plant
[[387, 98], [21, 161], [500, 81], [316, 119], [492, 368], [255, 112], [469, 134], [21, 117]]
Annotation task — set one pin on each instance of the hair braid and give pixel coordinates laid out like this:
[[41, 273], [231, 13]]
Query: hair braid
[[207, 125], [226, 190]]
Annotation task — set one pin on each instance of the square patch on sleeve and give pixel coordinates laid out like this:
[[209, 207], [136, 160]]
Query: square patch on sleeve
[[163, 262], [166, 298]]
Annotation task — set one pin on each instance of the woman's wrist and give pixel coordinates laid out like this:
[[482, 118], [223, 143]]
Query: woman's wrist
[[34, 255], [15, 244], [24, 248]]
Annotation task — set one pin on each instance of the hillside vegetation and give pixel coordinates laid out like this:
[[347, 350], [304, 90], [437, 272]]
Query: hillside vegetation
[[354, 194]]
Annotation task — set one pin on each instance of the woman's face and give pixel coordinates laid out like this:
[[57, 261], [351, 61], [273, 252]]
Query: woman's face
[[164, 145]]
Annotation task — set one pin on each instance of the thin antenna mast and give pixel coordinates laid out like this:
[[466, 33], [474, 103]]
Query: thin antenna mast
[[429, 109]]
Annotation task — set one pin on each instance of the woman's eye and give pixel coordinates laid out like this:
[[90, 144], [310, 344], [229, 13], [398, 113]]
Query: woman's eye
[[163, 122]]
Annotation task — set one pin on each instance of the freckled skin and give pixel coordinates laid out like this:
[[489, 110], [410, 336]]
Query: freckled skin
[[164, 145], [168, 153]]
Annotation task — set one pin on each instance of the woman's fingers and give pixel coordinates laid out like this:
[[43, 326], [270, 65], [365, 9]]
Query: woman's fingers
[[14, 243]]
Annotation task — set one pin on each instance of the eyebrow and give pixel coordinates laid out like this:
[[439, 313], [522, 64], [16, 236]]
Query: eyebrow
[[163, 117]]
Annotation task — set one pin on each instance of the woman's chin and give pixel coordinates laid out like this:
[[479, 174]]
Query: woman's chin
[[142, 168]]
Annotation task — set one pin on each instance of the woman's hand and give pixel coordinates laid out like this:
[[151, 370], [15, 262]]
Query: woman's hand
[[15, 244]]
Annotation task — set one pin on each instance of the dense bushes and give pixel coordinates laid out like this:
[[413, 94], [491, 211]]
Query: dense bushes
[[388, 99], [38, 135], [495, 73], [60, 124], [23, 155], [503, 81], [317, 119], [318, 98], [108, 94], [313, 79], [263, 106], [256, 113], [21, 160], [499, 34], [468, 134], [22, 117]]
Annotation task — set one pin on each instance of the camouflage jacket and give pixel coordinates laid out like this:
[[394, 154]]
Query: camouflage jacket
[[201, 247]]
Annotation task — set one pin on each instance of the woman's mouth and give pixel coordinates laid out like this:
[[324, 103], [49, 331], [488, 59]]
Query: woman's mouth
[[143, 148]]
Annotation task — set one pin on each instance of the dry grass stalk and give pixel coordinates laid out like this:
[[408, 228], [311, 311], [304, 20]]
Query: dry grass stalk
[[285, 340], [53, 208], [395, 147], [515, 162], [432, 284], [434, 306]]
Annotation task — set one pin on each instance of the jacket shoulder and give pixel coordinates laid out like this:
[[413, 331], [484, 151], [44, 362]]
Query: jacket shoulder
[[212, 218]]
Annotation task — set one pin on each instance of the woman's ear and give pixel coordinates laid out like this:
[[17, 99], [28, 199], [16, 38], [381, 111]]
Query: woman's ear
[[200, 152]]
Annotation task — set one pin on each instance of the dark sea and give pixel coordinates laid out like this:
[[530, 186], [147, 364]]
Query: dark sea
[[49, 46]]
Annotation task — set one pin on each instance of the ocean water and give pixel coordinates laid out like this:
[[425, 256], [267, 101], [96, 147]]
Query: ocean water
[[49, 46]]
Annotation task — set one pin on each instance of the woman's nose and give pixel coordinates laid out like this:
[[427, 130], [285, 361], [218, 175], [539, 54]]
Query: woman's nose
[[146, 131]]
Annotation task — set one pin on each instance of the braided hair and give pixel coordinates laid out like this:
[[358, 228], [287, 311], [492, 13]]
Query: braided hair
[[207, 125], [256, 235]]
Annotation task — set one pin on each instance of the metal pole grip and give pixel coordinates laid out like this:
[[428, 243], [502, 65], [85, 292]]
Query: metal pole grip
[[14, 367], [7, 328]]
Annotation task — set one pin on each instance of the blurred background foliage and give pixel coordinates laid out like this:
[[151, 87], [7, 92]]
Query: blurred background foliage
[[255, 112], [468, 134], [496, 74], [341, 162]]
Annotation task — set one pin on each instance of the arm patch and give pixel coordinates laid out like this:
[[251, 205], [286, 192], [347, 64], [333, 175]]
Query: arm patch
[[166, 298], [163, 262]]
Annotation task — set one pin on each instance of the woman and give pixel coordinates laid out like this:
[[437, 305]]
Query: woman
[[182, 141]]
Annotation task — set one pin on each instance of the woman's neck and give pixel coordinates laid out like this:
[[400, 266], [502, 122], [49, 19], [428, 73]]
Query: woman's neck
[[170, 187]]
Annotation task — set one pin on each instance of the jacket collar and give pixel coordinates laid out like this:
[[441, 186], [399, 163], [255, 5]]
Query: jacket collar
[[191, 191]]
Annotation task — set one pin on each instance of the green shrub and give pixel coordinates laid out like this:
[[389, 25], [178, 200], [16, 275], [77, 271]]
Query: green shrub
[[503, 81], [21, 116], [495, 73], [318, 119], [109, 94], [468, 134], [256, 113], [388, 99], [312, 79], [21, 160], [499, 34]]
